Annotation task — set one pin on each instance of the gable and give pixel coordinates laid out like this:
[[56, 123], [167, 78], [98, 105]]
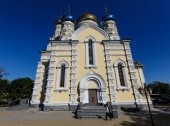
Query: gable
[[89, 30]]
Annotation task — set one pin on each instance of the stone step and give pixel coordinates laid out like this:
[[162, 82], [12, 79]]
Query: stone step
[[93, 111], [90, 116], [93, 107], [93, 114]]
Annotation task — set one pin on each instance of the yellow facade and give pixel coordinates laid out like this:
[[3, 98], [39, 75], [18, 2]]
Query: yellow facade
[[106, 67]]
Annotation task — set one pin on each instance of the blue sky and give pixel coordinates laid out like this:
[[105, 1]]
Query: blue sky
[[26, 25]]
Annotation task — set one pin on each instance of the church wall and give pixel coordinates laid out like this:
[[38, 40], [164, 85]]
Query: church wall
[[81, 70], [122, 96], [139, 81], [39, 81], [99, 51], [89, 32], [57, 95], [92, 84], [108, 50]]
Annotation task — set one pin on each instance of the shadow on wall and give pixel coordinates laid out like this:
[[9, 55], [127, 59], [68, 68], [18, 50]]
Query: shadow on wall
[[42, 97], [78, 92]]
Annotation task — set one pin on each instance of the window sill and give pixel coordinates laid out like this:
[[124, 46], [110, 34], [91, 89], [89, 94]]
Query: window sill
[[91, 66], [123, 89], [61, 90]]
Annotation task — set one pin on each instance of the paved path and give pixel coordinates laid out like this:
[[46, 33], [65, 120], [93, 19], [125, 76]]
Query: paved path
[[32, 117]]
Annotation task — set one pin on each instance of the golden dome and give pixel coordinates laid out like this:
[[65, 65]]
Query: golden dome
[[86, 16]]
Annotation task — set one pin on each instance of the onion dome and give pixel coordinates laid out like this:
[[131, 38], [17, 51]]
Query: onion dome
[[86, 16], [59, 21], [67, 18], [108, 17]]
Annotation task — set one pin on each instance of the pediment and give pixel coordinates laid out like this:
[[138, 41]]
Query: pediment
[[89, 30]]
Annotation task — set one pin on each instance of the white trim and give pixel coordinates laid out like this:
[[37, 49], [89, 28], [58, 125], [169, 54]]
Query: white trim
[[35, 102], [87, 22], [59, 104], [141, 75], [87, 52], [125, 73], [84, 96], [93, 26], [132, 102], [62, 62], [58, 68]]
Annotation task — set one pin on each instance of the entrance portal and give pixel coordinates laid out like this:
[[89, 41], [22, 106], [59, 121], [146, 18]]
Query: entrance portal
[[92, 97], [92, 89]]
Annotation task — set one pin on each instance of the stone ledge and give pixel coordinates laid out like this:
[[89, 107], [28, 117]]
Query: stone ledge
[[56, 108]]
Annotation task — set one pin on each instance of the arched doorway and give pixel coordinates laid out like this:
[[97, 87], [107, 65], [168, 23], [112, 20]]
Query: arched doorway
[[93, 92], [92, 89]]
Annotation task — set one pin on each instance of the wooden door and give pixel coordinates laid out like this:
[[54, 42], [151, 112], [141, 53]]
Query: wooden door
[[92, 97]]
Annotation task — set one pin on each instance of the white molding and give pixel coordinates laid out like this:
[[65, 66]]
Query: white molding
[[132, 102], [141, 75], [84, 96], [60, 104], [87, 22], [125, 73], [58, 68], [83, 27], [119, 61], [62, 62], [35, 102], [87, 52]]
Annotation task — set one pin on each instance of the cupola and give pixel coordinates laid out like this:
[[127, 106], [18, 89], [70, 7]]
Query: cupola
[[68, 18], [86, 16], [108, 17]]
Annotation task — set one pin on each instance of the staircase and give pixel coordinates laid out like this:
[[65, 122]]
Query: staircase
[[93, 112]]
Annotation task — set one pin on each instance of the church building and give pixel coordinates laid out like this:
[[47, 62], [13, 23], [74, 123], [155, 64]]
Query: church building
[[87, 62]]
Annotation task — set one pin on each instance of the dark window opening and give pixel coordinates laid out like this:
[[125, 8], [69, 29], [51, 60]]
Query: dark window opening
[[90, 47], [121, 76], [62, 77]]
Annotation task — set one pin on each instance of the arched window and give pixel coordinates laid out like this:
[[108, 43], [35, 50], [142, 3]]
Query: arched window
[[121, 76], [90, 49], [62, 77]]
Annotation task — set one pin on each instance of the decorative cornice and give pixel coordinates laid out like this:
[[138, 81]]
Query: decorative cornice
[[106, 36]]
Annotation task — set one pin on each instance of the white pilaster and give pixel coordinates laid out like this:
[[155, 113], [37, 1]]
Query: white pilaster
[[132, 72], [73, 71], [37, 84], [50, 78], [109, 71]]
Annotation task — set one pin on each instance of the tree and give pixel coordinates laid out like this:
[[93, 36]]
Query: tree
[[159, 88], [21, 88], [4, 86]]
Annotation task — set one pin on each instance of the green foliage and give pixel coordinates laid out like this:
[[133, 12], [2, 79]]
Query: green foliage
[[159, 88], [18, 88], [21, 88], [4, 88]]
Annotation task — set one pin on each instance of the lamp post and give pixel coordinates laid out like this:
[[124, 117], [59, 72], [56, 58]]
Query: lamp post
[[148, 105]]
